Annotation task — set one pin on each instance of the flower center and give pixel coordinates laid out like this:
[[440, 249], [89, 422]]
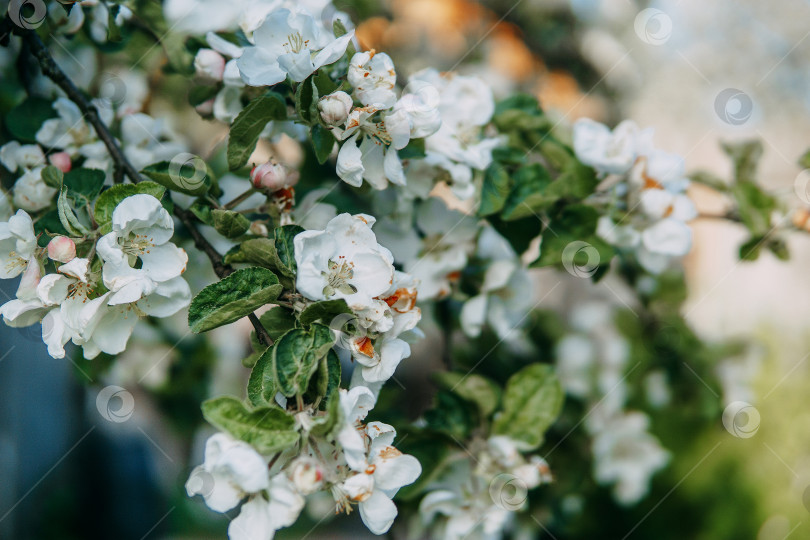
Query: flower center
[[337, 278], [296, 43], [137, 245], [14, 262]]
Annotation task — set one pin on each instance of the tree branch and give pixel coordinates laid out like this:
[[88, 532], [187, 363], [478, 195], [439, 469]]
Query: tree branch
[[121, 164], [51, 70]]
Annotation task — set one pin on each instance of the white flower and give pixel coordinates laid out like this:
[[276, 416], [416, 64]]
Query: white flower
[[626, 455], [388, 470], [355, 405], [343, 261], [31, 192], [669, 236], [14, 155], [289, 43], [69, 131], [608, 152], [379, 365], [141, 229], [17, 244], [506, 294], [260, 519], [376, 159], [5, 206], [311, 213], [232, 470], [148, 140], [373, 77], [335, 107]]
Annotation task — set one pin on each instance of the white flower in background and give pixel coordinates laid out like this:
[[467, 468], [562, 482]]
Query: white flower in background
[[609, 152], [343, 261], [435, 260], [387, 471], [310, 213], [5, 206], [31, 192], [463, 517], [18, 244], [68, 131], [100, 18], [289, 43], [148, 140], [232, 470], [465, 106], [506, 294], [373, 77], [14, 155], [141, 230], [627, 455]]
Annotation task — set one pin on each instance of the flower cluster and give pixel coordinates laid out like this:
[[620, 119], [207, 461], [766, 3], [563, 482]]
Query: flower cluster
[[649, 186], [95, 300], [480, 499], [592, 364], [355, 462]]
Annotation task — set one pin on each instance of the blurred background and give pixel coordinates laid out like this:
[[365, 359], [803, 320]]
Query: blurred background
[[698, 72]]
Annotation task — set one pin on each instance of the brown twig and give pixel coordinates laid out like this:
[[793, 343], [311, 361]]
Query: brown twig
[[51, 70], [122, 165]]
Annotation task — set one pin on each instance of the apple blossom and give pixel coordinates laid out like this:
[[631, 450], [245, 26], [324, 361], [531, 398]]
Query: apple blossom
[[17, 244], [272, 176], [373, 77], [289, 43]]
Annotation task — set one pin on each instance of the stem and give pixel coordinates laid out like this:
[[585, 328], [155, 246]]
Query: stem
[[122, 164], [241, 198], [55, 74]]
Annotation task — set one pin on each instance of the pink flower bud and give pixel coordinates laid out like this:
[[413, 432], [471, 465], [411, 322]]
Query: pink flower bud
[[272, 177], [335, 108], [209, 65], [61, 249], [60, 160], [206, 108]]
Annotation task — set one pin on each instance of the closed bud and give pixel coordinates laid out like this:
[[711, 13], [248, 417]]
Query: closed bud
[[61, 249], [60, 160], [306, 474], [272, 177], [209, 65], [335, 108], [258, 229]]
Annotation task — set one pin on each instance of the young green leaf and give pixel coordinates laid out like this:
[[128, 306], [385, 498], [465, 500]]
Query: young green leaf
[[84, 183], [262, 386], [475, 388], [187, 174], [322, 141], [494, 190], [268, 430], [109, 199], [296, 357], [249, 124], [532, 401], [285, 249], [232, 298], [323, 311], [229, 224]]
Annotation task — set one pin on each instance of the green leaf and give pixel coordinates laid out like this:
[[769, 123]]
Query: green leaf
[[262, 386], [520, 232], [186, 173], [474, 388], [326, 379], [494, 190], [285, 248], [324, 425], [751, 249], [69, 220], [249, 124], [570, 242], [84, 183], [232, 298], [452, 415], [528, 197], [109, 199], [53, 177], [532, 401], [201, 93], [338, 29], [258, 251], [113, 30], [754, 206], [322, 141], [277, 321], [324, 311], [576, 182], [268, 430], [48, 226], [24, 120], [229, 224], [745, 155], [296, 357], [414, 150]]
